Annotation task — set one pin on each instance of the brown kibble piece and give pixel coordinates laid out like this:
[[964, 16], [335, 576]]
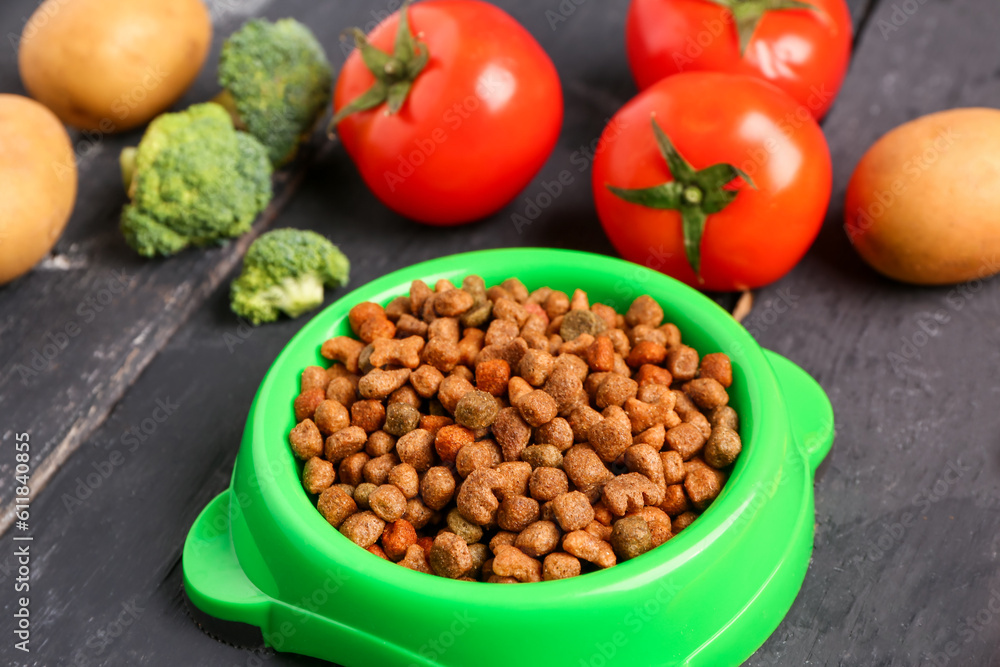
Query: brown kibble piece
[[560, 565], [395, 352], [368, 415], [418, 514], [685, 439], [585, 469], [415, 559], [536, 366], [437, 487], [330, 416], [451, 390], [658, 522], [615, 390], [538, 539], [599, 530], [405, 478], [682, 362], [646, 461], [453, 302], [351, 470], [376, 470], [450, 439], [542, 456], [379, 383], [631, 537], [583, 545], [581, 420], [646, 352], [675, 500], [644, 310], [611, 436], [318, 475], [547, 483], [718, 367], [361, 313], [724, 416], [336, 505], [722, 447], [363, 528], [683, 521], [426, 380], [387, 502], [703, 485], [343, 349], [306, 403], [476, 409], [450, 556], [629, 493], [344, 443], [572, 510], [557, 433], [512, 562], [649, 374], [511, 433], [517, 512], [513, 478], [314, 377], [397, 538], [417, 449], [601, 354], [482, 454], [401, 418], [306, 440], [476, 499], [492, 376], [706, 393], [673, 467], [465, 529], [537, 407]]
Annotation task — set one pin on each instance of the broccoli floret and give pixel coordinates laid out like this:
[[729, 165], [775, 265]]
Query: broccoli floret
[[193, 180], [277, 83], [285, 270]]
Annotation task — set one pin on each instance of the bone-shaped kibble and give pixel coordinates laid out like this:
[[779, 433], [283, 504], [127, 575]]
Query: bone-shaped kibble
[[344, 349], [630, 492], [395, 352], [512, 562]]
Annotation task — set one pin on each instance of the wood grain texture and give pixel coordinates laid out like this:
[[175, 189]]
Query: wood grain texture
[[916, 438]]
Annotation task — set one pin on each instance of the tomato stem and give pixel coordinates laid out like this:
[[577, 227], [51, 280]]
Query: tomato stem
[[748, 13], [394, 73], [694, 193]]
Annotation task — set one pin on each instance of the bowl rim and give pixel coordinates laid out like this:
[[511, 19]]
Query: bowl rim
[[283, 493]]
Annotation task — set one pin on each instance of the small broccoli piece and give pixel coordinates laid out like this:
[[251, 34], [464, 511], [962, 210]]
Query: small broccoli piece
[[193, 180], [276, 82], [285, 270]]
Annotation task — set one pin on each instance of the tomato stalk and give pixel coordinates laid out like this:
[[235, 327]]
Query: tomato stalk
[[748, 13], [394, 73], [695, 194]]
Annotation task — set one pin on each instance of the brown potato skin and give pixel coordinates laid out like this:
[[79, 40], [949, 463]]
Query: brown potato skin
[[922, 203], [111, 65], [37, 183]]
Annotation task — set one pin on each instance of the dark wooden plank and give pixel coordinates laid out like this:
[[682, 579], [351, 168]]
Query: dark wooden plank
[[76, 332]]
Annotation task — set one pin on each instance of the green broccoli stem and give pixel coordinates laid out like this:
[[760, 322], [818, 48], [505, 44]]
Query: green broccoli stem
[[394, 72], [127, 162], [226, 100]]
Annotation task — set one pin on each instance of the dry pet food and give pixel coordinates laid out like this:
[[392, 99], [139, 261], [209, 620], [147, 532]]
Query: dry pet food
[[508, 436]]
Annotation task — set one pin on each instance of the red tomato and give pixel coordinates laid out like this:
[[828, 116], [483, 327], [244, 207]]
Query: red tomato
[[717, 118], [803, 52], [480, 120]]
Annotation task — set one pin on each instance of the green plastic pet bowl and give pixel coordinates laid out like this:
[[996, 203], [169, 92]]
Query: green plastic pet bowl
[[261, 554]]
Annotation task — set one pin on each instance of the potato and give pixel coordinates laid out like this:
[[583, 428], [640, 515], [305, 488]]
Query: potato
[[110, 65], [922, 206], [37, 183]]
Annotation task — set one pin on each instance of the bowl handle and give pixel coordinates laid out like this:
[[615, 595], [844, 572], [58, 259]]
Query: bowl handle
[[809, 409], [213, 578]]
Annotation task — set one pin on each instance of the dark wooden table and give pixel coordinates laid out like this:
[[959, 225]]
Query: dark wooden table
[[134, 422]]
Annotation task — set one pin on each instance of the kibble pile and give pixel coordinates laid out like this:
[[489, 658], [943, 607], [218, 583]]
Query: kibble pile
[[505, 436]]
